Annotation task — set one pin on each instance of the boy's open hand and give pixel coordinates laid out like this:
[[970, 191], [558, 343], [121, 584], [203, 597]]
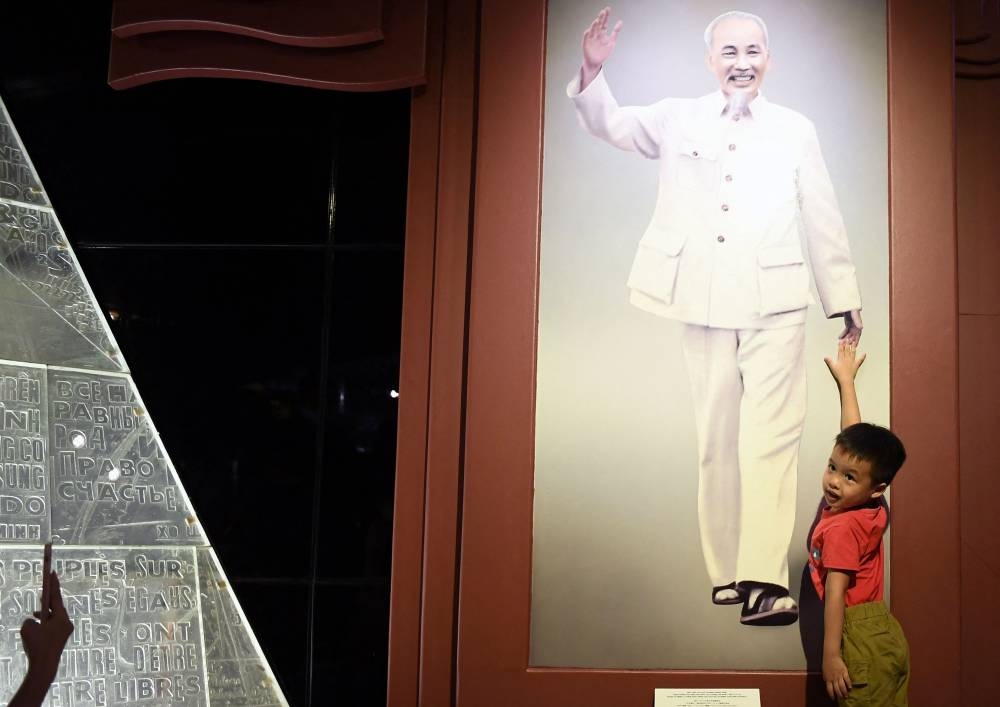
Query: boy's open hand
[[836, 677], [845, 367]]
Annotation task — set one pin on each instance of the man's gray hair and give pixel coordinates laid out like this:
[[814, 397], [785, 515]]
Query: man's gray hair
[[737, 14]]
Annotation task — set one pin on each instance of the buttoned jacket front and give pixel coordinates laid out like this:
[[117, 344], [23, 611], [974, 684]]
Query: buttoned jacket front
[[737, 200]]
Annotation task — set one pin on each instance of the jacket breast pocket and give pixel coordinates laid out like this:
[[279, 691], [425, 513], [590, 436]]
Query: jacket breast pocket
[[654, 270], [783, 281], [697, 166]]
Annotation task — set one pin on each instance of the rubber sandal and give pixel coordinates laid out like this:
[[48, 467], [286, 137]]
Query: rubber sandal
[[740, 598], [763, 613]]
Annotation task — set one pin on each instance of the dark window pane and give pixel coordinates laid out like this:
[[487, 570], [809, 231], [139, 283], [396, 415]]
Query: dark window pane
[[360, 444], [184, 161], [226, 344], [350, 662], [278, 615], [356, 539], [371, 168], [224, 347], [367, 300]]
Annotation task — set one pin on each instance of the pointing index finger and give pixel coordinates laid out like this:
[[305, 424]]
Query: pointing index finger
[[58, 608], [46, 580]]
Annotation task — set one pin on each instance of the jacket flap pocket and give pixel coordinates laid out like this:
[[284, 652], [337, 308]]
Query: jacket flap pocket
[[697, 150], [654, 272], [666, 242], [772, 256]]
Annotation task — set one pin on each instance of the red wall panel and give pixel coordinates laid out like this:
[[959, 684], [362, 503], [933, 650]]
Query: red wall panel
[[978, 154]]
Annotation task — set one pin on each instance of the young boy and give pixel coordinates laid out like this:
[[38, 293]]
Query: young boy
[[866, 659]]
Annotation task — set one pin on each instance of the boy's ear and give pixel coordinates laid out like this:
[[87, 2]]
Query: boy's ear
[[879, 490]]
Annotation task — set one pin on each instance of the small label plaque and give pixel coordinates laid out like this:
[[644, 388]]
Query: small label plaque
[[706, 697]]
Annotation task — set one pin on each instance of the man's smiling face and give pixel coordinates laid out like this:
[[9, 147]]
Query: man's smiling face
[[738, 56]]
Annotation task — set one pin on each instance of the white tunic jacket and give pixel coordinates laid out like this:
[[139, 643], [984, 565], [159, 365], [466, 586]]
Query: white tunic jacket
[[736, 201]]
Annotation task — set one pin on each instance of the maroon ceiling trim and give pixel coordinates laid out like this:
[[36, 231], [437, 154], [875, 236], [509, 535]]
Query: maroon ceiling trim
[[140, 55], [304, 23]]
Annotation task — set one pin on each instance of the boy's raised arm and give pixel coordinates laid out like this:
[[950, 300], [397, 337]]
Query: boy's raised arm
[[844, 370]]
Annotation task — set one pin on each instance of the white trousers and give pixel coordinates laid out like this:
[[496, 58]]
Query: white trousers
[[749, 390]]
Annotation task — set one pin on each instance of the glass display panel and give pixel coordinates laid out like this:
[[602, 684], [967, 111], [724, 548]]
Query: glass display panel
[[18, 181], [137, 624], [81, 464], [47, 311], [238, 676]]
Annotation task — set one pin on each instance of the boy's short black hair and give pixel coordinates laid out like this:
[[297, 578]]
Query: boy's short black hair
[[876, 445]]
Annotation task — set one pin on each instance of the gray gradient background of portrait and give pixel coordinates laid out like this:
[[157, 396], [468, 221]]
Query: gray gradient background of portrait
[[618, 577]]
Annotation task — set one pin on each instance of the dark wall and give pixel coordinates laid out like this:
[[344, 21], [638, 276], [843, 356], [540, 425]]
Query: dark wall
[[245, 240]]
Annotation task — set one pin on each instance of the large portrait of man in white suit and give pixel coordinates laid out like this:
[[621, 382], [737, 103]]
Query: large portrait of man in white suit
[[733, 223]]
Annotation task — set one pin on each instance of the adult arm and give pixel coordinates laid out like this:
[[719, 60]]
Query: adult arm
[[835, 674], [635, 128], [826, 239], [598, 44]]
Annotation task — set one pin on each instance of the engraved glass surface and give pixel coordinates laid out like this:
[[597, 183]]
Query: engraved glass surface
[[81, 464], [47, 312], [112, 482], [18, 181], [137, 628], [24, 482], [237, 675]]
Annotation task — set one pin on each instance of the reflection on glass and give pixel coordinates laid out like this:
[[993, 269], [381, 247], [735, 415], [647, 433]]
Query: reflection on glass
[[47, 312], [155, 621], [237, 673], [18, 181]]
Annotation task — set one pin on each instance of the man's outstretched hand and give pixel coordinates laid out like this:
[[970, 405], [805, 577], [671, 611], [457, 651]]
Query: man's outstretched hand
[[852, 327], [597, 46]]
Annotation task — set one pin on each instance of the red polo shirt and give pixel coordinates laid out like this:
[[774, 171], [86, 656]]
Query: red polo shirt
[[850, 541]]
